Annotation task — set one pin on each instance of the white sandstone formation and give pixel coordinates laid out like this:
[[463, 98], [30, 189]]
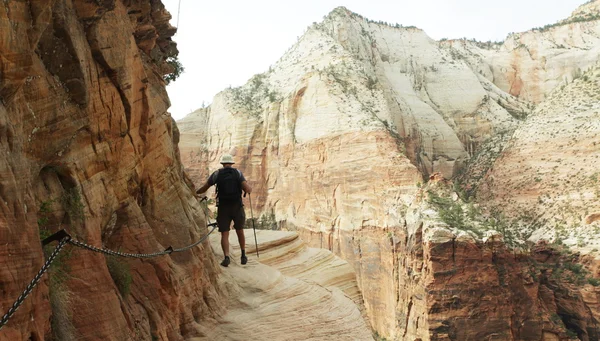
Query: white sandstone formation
[[338, 135], [291, 292]]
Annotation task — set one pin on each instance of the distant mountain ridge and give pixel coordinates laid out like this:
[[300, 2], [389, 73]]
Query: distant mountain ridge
[[341, 135]]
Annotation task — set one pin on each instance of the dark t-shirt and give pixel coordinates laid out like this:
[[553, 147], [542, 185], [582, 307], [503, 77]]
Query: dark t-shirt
[[212, 179]]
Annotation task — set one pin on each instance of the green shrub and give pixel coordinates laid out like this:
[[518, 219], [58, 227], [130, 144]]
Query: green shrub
[[178, 69], [43, 213], [593, 281], [252, 97], [451, 213], [266, 222], [71, 202], [574, 267], [555, 318], [120, 273], [371, 83]]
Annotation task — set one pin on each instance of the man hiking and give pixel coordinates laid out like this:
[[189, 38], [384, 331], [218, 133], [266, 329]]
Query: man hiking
[[230, 183]]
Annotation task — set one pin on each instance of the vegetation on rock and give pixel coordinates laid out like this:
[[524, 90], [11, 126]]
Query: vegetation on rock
[[176, 67], [121, 274]]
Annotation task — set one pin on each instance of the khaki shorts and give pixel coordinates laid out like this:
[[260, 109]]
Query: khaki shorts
[[228, 213]]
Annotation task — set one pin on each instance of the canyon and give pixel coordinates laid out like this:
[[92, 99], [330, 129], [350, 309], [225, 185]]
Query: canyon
[[288, 292], [421, 189], [455, 176]]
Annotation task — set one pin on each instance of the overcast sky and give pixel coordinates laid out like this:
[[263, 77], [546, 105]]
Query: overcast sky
[[226, 42]]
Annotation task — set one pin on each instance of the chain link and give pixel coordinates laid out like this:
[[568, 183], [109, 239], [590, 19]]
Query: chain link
[[198, 242], [117, 253], [33, 282], [65, 238], [68, 239], [168, 251]]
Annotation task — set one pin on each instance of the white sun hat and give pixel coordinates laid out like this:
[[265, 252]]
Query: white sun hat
[[226, 158]]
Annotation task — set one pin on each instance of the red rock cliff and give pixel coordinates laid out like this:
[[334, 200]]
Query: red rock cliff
[[86, 144]]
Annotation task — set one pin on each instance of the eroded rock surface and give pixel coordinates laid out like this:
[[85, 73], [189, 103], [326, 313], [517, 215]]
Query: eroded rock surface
[[460, 279], [549, 172], [340, 133], [86, 144], [291, 292]]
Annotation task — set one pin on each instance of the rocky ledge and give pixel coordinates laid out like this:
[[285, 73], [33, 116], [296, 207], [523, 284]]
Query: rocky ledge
[[291, 292]]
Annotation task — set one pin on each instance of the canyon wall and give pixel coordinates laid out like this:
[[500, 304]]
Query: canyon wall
[[290, 292], [340, 135], [531, 64], [87, 145], [549, 174]]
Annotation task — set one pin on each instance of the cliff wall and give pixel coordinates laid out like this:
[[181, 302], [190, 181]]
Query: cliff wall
[[340, 135], [87, 145]]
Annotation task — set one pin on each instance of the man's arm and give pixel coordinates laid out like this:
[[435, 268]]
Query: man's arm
[[246, 187], [204, 188], [211, 181]]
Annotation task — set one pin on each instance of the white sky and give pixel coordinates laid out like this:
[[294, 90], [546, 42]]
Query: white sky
[[225, 42]]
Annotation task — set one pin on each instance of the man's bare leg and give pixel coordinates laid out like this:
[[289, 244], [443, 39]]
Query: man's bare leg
[[225, 247], [242, 240], [225, 243]]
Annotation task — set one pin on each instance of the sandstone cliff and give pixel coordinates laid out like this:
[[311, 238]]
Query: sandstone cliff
[[340, 133], [86, 144], [531, 64], [548, 175], [460, 278], [291, 292], [544, 178]]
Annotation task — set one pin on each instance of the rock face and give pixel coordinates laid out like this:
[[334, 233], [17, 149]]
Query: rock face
[[336, 137], [293, 293], [468, 284], [529, 65], [444, 279], [549, 172], [86, 144]]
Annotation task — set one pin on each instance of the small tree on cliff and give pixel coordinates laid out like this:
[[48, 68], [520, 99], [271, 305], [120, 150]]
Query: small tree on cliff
[[177, 68]]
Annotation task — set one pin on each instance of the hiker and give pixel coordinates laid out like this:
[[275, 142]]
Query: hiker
[[230, 183]]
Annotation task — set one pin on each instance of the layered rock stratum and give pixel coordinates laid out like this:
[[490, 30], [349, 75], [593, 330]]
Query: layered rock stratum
[[87, 145], [289, 292], [349, 140], [340, 136], [548, 175]]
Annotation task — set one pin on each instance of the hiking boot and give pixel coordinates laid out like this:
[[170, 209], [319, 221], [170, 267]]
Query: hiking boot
[[244, 260], [225, 261]]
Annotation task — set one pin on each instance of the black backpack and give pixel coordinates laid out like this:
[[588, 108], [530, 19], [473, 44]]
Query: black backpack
[[229, 188]]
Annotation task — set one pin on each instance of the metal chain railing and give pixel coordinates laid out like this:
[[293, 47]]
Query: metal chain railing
[[185, 248], [117, 253], [63, 238], [167, 251], [33, 282]]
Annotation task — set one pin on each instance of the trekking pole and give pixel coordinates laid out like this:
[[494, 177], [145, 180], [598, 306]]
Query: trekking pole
[[253, 226]]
